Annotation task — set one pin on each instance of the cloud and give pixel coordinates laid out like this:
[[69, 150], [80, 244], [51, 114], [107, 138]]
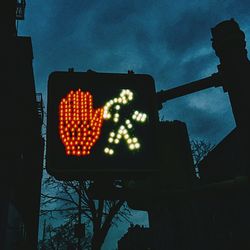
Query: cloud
[[207, 114]]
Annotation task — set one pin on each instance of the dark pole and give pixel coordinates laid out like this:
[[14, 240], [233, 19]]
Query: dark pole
[[79, 214], [228, 41], [188, 88]]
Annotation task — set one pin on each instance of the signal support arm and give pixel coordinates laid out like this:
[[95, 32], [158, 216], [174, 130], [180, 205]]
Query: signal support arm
[[164, 95]]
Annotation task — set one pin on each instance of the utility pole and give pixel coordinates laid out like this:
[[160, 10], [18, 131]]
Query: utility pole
[[79, 215], [79, 227], [228, 41]]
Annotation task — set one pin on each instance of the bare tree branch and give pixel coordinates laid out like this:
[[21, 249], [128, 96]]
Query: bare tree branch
[[200, 149], [101, 213]]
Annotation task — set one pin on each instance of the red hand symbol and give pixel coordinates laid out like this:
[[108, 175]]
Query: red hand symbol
[[79, 124]]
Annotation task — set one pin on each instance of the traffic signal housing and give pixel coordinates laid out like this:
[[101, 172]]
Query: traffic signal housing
[[100, 124]]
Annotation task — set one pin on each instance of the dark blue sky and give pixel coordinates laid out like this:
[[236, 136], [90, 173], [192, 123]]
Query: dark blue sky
[[168, 39]]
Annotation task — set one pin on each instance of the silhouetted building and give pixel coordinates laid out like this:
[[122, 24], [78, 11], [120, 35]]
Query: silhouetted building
[[226, 218], [224, 161], [137, 238], [213, 212], [21, 140]]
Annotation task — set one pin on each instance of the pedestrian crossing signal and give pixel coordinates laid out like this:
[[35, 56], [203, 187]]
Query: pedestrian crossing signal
[[100, 123]]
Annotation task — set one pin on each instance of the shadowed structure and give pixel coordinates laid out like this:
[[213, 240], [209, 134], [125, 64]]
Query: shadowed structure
[[22, 144]]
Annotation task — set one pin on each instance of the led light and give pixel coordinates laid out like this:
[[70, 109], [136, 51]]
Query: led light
[[129, 141], [125, 96], [135, 140], [81, 120], [111, 151]]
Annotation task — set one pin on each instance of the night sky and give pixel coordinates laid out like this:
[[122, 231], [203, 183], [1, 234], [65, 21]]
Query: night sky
[[169, 40]]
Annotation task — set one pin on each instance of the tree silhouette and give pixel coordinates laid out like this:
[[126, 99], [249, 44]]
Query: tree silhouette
[[71, 198], [62, 238], [200, 148]]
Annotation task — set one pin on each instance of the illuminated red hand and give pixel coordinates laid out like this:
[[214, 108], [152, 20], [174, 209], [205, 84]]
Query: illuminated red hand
[[79, 124]]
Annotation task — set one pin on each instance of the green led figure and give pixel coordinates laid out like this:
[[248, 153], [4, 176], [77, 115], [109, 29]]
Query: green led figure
[[125, 127]]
